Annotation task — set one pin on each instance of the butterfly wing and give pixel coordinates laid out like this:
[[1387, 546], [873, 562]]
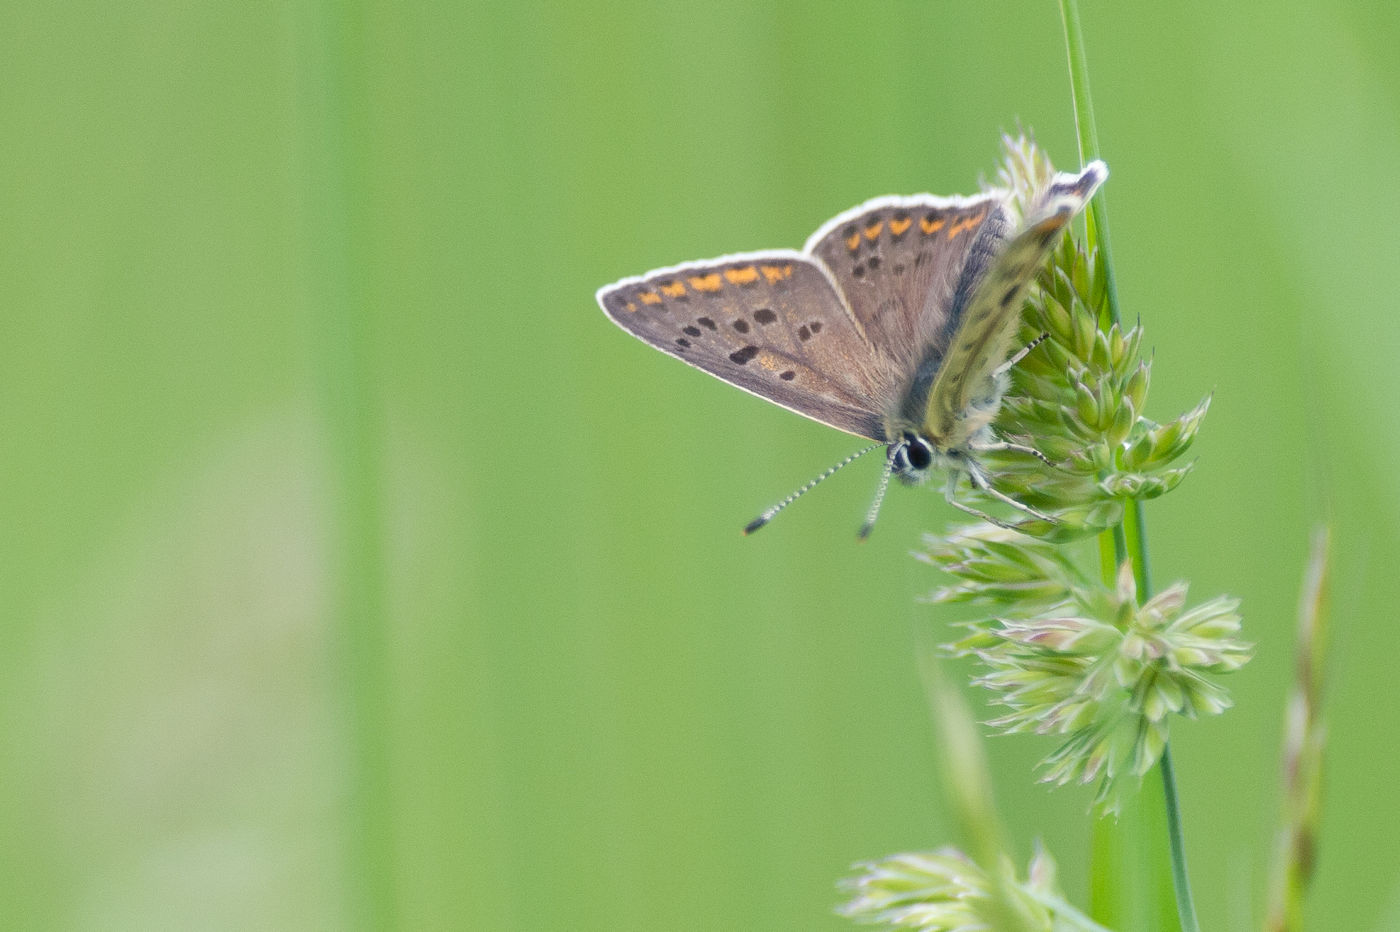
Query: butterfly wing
[[989, 320], [771, 323], [898, 261]]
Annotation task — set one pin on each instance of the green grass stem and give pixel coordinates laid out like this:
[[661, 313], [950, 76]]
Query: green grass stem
[[332, 113], [1112, 858]]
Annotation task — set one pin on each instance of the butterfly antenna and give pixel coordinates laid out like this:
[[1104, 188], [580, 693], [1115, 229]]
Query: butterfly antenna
[[874, 511], [767, 516], [1006, 366]]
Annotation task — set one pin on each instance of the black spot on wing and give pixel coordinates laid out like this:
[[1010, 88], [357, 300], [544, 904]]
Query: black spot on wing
[[741, 325], [706, 322], [740, 356], [764, 316]]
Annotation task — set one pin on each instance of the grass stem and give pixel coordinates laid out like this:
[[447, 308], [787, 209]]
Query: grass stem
[[332, 112], [1131, 536]]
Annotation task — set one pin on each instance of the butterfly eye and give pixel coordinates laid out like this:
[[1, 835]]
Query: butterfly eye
[[911, 455], [919, 453]]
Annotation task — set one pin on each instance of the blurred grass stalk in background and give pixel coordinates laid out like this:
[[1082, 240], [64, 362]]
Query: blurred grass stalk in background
[[948, 889], [1305, 736], [334, 111]]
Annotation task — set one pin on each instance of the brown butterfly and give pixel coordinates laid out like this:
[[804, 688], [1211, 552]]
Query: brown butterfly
[[895, 323]]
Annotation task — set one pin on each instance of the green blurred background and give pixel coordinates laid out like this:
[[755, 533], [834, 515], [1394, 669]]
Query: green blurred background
[[357, 569]]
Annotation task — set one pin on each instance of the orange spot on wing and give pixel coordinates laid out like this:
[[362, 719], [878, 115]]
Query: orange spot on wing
[[931, 226], [742, 276], [853, 242], [673, 290], [897, 227], [874, 229], [966, 223], [630, 306], [709, 282], [649, 297], [776, 273]]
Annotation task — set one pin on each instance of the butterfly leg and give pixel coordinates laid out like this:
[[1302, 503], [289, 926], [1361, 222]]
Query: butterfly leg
[[949, 494], [978, 479], [1002, 446]]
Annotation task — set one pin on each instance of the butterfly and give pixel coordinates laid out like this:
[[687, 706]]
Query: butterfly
[[896, 322]]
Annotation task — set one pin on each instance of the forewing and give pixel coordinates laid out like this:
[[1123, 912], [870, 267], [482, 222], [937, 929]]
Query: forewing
[[898, 261], [983, 339], [771, 323]]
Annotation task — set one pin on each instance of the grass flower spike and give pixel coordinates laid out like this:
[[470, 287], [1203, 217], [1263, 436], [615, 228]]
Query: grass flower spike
[[935, 891], [945, 891], [1078, 397], [1067, 656]]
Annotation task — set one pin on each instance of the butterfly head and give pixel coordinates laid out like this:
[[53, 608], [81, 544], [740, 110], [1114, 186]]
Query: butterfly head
[[914, 457]]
